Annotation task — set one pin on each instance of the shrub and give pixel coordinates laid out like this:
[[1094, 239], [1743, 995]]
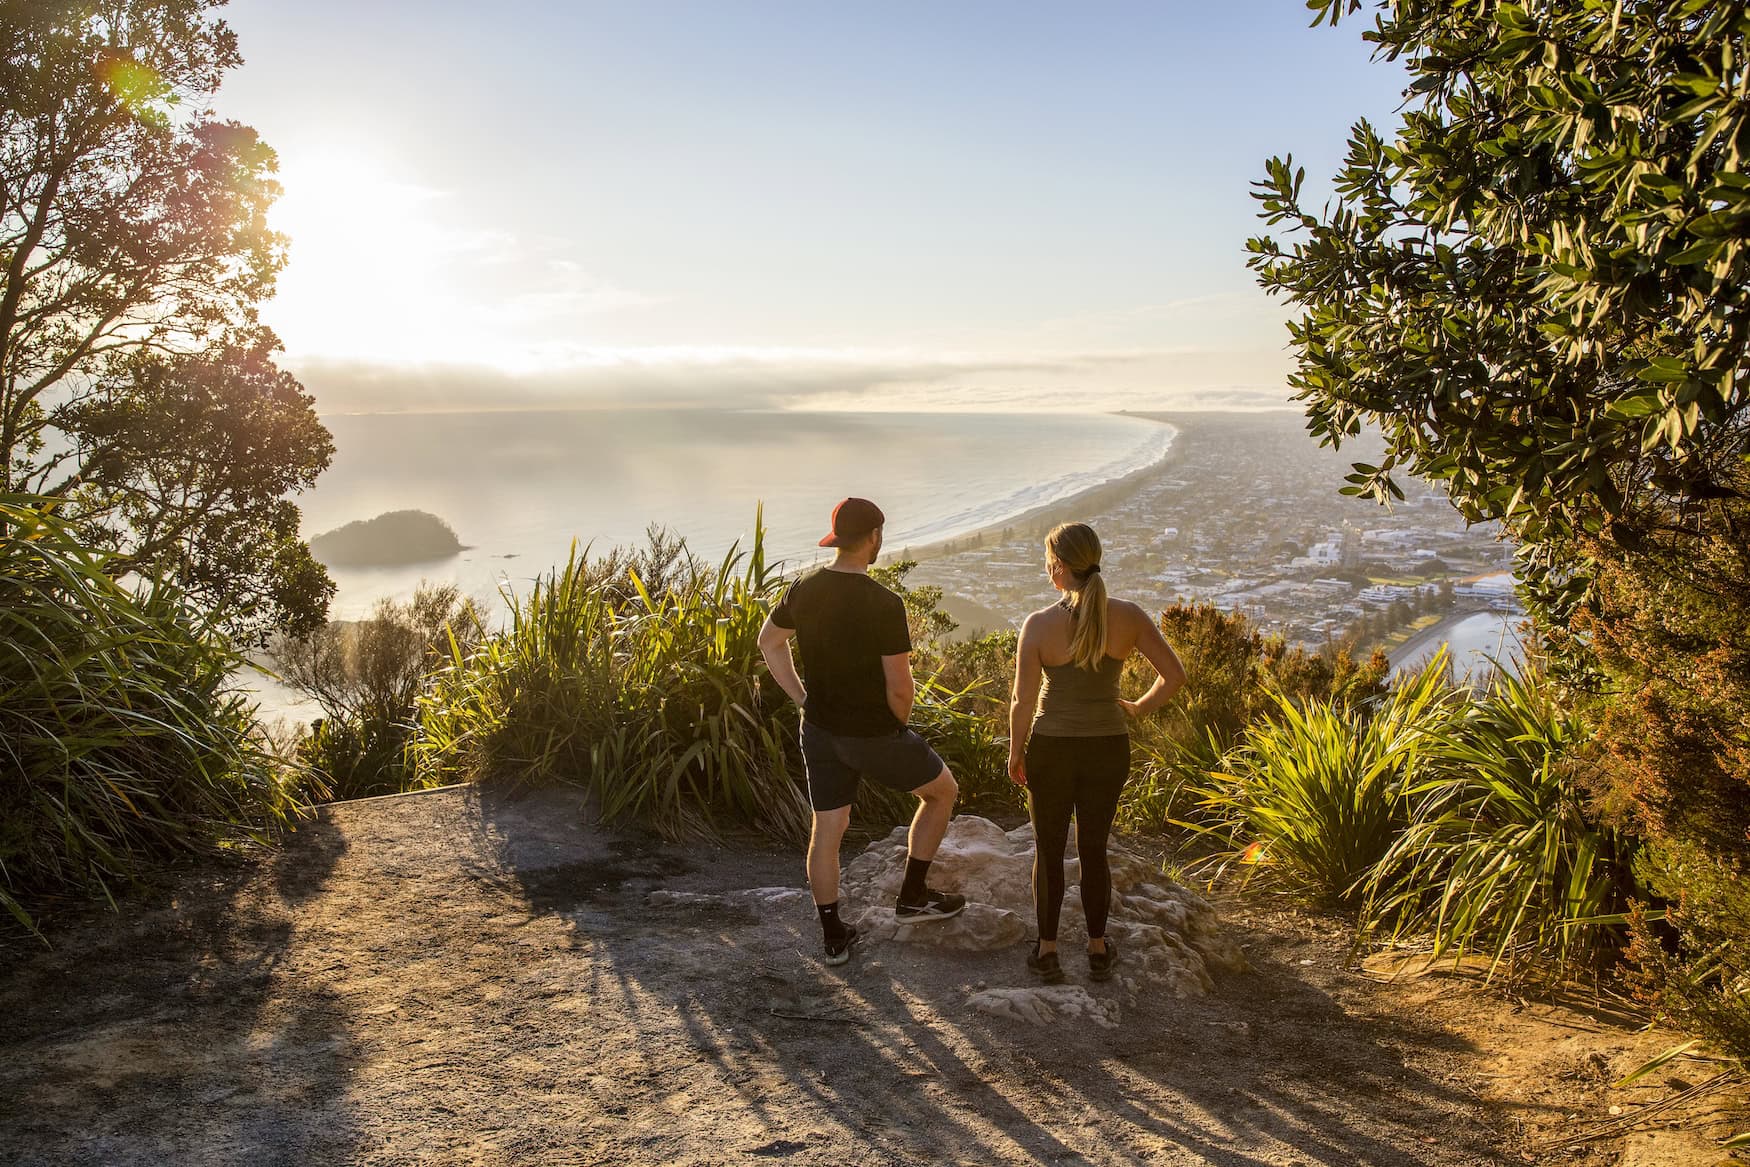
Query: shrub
[[1501, 851], [366, 676], [1533, 285], [968, 727], [1704, 979], [653, 702], [1317, 793], [1669, 627], [122, 739], [963, 699], [1162, 794], [355, 759], [1235, 676]]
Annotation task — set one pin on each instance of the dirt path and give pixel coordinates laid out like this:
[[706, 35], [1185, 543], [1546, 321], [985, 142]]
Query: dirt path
[[461, 977]]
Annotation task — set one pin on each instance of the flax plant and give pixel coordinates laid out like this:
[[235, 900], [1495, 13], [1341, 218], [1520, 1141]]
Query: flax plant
[[123, 741], [1170, 773], [651, 700], [1316, 793], [966, 726], [518, 704], [1501, 854]]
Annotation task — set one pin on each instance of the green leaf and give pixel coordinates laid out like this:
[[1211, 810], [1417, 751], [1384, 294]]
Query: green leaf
[[1664, 370], [1640, 405], [1699, 253], [1647, 1067]]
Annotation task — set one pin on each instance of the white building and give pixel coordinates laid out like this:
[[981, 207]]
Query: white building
[[1384, 595], [1494, 591]]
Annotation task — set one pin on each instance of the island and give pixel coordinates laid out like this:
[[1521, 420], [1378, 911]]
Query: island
[[389, 540]]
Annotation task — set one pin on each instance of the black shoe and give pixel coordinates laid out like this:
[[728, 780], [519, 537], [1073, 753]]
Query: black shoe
[[936, 905], [1100, 963], [1048, 968], [838, 951]]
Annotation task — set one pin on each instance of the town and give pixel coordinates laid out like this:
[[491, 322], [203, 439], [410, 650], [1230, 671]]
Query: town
[[1245, 514]]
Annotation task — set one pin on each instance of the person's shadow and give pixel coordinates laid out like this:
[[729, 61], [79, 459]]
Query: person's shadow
[[719, 995], [167, 1031]]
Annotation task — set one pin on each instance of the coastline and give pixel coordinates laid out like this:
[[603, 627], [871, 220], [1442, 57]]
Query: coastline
[[1090, 499]]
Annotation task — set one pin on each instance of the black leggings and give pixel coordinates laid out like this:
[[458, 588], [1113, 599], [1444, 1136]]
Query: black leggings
[[1080, 776]]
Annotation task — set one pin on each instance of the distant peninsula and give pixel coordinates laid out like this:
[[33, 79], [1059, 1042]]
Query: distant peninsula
[[389, 540]]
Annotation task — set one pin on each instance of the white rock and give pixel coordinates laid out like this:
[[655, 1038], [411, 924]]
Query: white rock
[[1168, 936], [980, 928], [675, 899], [1046, 1004], [771, 896], [1169, 939]]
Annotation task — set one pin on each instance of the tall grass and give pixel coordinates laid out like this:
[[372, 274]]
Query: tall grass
[[366, 676], [651, 700], [122, 741], [967, 726], [1434, 814], [1501, 852], [1316, 793], [1169, 773], [1236, 675], [962, 702]]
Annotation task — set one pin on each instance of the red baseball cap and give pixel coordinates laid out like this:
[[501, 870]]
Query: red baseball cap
[[851, 520]]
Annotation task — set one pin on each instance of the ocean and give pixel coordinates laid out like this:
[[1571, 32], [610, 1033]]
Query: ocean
[[518, 487]]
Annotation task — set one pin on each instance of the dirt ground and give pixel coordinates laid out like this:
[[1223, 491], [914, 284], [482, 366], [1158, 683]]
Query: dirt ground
[[468, 977]]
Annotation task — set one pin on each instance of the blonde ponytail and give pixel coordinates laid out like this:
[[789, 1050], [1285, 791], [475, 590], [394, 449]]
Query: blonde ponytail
[[1077, 547]]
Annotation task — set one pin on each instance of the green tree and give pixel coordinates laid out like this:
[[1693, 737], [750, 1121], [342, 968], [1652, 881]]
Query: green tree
[[137, 386], [1536, 289], [923, 605]]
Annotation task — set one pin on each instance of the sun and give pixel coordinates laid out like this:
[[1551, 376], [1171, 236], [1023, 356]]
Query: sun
[[371, 271]]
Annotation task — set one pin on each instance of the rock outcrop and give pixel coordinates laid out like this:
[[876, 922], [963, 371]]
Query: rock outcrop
[[1169, 936]]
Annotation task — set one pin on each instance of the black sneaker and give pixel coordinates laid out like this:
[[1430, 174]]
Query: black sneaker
[[1100, 963], [936, 905], [838, 951], [1048, 968]]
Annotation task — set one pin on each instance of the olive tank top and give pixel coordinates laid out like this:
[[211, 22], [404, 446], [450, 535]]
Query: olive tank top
[[1078, 702]]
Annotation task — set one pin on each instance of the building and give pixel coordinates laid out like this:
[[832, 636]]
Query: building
[[1496, 592]]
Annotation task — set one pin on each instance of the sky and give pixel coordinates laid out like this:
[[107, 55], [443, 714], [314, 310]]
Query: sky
[[840, 204]]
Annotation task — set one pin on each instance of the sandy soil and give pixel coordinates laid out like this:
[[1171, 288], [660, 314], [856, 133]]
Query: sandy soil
[[466, 977]]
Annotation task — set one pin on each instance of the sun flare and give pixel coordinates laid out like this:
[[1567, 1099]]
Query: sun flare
[[371, 274]]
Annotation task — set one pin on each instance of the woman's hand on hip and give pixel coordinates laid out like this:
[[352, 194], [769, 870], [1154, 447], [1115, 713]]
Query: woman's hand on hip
[[1132, 709]]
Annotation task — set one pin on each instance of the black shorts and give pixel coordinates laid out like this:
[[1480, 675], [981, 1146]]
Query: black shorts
[[901, 760]]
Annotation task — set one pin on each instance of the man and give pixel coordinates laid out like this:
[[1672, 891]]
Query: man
[[856, 654]]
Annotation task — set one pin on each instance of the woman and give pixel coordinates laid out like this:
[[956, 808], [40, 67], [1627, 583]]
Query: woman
[[1074, 755]]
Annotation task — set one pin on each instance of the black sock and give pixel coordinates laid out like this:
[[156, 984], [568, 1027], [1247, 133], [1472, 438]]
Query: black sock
[[912, 890], [829, 920]]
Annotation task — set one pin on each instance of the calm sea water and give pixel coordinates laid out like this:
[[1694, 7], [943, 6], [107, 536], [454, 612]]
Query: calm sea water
[[519, 487], [1477, 643]]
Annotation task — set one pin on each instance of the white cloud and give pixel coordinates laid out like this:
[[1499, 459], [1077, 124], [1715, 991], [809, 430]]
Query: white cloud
[[388, 271], [793, 378]]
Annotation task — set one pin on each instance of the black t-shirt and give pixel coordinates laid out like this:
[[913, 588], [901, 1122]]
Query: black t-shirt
[[845, 623]]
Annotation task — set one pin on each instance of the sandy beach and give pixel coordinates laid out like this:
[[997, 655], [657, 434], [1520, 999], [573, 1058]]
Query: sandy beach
[[1045, 515]]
